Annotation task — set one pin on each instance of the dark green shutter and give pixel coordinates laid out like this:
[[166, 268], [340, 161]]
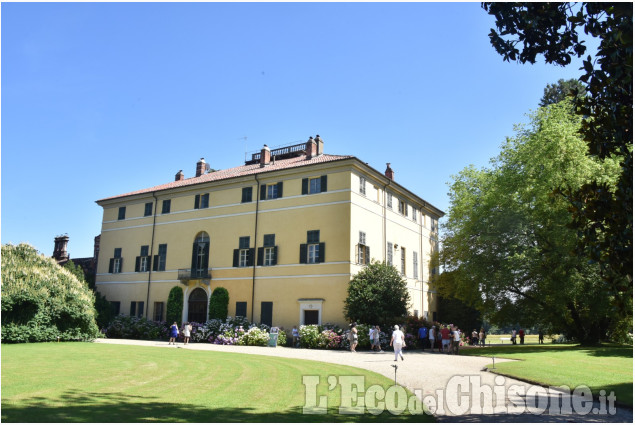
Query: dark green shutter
[[121, 265], [250, 256], [323, 184], [305, 186], [205, 258], [194, 255], [357, 254], [261, 254], [275, 255], [303, 253], [279, 189], [266, 313], [137, 264], [263, 192], [367, 255], [155, 263], [322, 249], [111, 265], [133, 308], [197, 201], [236, 256]]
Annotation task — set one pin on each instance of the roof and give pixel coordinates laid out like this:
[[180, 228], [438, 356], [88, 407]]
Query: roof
[[243, 170]]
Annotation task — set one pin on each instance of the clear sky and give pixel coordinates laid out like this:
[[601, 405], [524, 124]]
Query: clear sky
[[100, 99]]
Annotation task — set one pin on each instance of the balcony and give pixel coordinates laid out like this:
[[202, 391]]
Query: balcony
[[185, 275], [280, 153]]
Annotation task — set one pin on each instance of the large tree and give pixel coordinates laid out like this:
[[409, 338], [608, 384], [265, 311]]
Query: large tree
[[377, 295], [508, 244], [602, 214]]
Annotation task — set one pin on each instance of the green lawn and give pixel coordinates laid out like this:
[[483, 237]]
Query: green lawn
[[84, 382], [608, 367]]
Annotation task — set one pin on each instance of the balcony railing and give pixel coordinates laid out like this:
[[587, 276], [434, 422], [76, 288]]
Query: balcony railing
[[187, 274], [280, 153]]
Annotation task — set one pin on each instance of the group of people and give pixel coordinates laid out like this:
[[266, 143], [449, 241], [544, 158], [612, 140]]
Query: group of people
[[446, 339], [174, 333], [520, 334]]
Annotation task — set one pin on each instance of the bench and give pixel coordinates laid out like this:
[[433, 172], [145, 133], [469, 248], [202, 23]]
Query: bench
[[505, 339]]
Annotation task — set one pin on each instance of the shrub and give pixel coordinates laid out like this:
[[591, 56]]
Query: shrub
[[309, 336], [218, 304], [254, 336], [174, 309], [282, 338], [42, 301], [129, 327]]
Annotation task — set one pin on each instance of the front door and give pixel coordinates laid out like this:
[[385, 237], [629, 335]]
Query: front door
[[197, 306], [266, 313], [311, 317]]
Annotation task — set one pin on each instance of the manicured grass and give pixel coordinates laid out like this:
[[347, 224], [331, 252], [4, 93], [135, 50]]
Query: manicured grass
[[84, 382], [608, 367]]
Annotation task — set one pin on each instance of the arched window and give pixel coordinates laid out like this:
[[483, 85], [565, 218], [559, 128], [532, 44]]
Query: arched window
[[200, 256]]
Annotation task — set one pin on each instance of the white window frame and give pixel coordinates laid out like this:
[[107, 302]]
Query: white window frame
[[362, 185], [315, 185], [268, 260], [272, 191], [242, 257], [116, 265], [313, 253]]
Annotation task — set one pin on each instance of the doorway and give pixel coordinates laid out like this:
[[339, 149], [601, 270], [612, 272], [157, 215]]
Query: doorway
[[197, 306]]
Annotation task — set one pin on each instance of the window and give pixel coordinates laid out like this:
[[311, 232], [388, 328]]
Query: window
[[243, 256], [362, 185], [201, 201], [415, 265], [158, 312], [314, 185], [266, 313], [116, 263], [148, 209], [414, 214], [403, 208], [363, 251], [389, 200], [313, 251], [136, 308], [433, 225], [166, 206], [200, 256], [122, 213], [142, 262], [161, 258], [241, 308], [268, 253], [389, 254], [115, 307], [403, 261], [271, 191], [246, 194]]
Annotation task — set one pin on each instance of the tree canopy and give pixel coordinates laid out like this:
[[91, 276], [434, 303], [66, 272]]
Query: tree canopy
[[563, 89], [508, 245], [602, 214], [377, 295]]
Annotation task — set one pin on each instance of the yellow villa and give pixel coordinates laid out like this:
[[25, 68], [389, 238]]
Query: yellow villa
[[283, 233]]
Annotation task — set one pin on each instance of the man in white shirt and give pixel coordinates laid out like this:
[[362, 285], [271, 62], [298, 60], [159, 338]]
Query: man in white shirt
[[398, 341], [456, 340]]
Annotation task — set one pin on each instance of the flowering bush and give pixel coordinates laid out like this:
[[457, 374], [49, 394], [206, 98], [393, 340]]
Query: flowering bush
[[330, 339], [124, 326], [282, 338], [309, 336], [229, 337], [254, 336]]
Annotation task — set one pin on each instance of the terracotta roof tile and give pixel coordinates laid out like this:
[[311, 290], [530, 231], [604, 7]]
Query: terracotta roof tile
[[243, 170]]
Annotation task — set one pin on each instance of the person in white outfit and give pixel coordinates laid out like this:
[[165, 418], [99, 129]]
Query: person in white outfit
[[398, 341]]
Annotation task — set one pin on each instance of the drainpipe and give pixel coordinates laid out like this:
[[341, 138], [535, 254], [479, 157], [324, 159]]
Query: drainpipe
[[420, 271], [384, 221], [253, 278], [154, 221]]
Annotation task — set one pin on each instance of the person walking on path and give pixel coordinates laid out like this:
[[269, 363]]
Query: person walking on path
[[423, 336], [187, 329], [456, 339], [541, 336], [513, 336], [174, 333], [481, 337], [398, 341], [376, 331], [521, 334], [431, 338], [445, 338], [353, 337], [296, 335]]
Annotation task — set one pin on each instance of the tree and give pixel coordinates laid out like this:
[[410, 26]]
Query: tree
[[174, 309], [603, 214], [75, 270], [42, 301], [508, 246], [377, 295], [555, 93], [219, 303]]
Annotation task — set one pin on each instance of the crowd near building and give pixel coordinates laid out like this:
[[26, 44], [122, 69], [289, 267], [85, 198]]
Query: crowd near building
[[284, 233]]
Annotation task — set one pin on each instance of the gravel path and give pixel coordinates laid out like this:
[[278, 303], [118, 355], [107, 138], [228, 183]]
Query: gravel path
[[430, 373]]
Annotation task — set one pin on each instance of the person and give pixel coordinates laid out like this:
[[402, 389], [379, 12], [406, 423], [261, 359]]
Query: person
[[445, 338], [521, 334], [353, 337], [174, 332], [398, 341], [481, 337], [376, 331], [423, 336], [474, 337], [296, 335], [514, 336], [541, 336], [371, 330], [456, 334], [187, 328], [431, 338]]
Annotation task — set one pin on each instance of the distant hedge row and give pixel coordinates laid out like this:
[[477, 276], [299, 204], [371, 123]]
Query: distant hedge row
[[42, 301]]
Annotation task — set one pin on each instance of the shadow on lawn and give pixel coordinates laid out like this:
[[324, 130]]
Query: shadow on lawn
[[76, 406], [606, 350]]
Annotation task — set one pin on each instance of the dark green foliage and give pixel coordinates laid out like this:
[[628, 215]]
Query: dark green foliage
[[104, 311], [174, 309], [377, 295], [602, 215], [556, 93], [42, 301], [75, 270], [128, 327], [218, 304], [455, 311]]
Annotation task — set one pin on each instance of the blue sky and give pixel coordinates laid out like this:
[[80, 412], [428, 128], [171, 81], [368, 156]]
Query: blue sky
[[100, 99]]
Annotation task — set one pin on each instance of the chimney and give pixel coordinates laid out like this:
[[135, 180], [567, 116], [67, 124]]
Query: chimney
[[180, 176], [200, 167], [96, 248], [389, 172], [59, 251], [311, 148], [320, 144], [265, 156]]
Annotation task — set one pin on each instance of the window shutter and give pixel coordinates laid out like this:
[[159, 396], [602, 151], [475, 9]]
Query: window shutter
[[140, 309], [194, 255], [323, 184], [261, 254], [137, 264], [322, 249], [367, 255], [197, 201], [149, 260], [205, 201], [279, 189], [305, 186], [263, 192], [303, 253], [111, 265], [357, 253], [275, 256], [405, 210], [133, 308], [121, 265], [206, 258], [236, 254], [250, 256], [155, 263]]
